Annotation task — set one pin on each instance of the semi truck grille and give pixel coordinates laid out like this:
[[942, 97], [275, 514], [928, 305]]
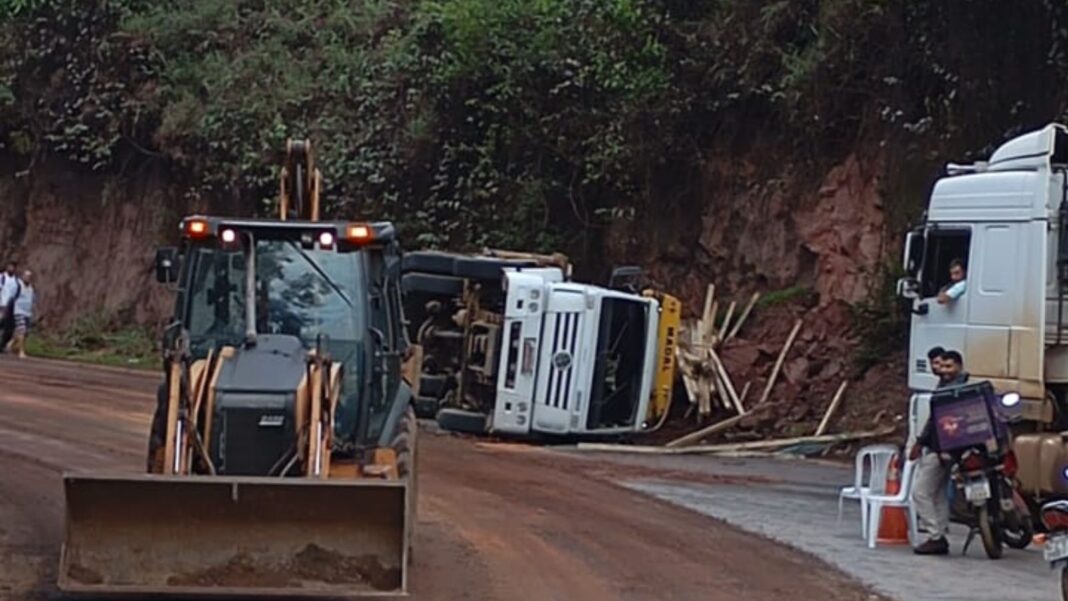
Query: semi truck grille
[[563, 327]]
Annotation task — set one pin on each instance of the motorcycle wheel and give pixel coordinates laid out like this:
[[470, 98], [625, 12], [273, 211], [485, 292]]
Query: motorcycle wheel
[[1018, 533], [991, 535]]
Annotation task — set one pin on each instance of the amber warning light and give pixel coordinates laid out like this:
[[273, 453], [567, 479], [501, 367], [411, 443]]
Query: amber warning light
[[196, 228], [359, 233]]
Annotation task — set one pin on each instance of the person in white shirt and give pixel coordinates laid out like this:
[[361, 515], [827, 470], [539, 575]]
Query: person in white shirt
[[23, 311], [958, 285], [9, 291]]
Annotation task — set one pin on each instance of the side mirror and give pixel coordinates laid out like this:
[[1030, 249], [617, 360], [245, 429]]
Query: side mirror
[[915, 243], [908, 288], [168, 263]]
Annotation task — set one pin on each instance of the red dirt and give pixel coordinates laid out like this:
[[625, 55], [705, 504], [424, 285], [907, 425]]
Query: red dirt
[[495, 523]]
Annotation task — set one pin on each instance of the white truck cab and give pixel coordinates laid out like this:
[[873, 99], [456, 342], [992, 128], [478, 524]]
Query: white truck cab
[[1002, 218], [513, 346], [576, 358]]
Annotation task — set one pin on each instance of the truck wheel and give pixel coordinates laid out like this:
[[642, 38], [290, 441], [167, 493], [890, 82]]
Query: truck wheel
[[990, 534], [458, 420], [426, 407], [428, 261], [436, 285], [485, 269], [1064, 584], [433, 385]]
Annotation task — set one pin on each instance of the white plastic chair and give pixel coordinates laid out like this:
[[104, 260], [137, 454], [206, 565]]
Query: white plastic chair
[[876, 502], [867, 481]]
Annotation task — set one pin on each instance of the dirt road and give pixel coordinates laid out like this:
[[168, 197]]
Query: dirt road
[[497, 522]]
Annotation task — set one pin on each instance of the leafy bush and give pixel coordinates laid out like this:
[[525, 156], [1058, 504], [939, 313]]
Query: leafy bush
[[530, 123]]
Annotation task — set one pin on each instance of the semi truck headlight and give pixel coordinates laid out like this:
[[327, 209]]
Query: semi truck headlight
[[1010, 399]]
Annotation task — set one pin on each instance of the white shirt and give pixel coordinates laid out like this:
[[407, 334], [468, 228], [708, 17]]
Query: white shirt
[[957, 290], [24, 303], [9, 286]]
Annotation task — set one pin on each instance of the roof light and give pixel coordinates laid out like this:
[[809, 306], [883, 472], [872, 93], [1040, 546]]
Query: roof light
[[326, 239], [196, 228], [359, 233], [228, 236]]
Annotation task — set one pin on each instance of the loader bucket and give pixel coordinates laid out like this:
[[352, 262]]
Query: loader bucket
[[217, 535]]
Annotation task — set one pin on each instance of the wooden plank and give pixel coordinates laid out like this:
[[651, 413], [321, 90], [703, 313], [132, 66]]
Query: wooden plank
[[707, 331], [778, 363], [745, 314], [725, 380], [714, 428], [745, 392], [710, 299], [830, 410], [732, 447], [786, 442], [726, 322]]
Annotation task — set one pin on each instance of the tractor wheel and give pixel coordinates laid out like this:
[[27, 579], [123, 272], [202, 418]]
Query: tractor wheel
[[404, 445], [157, 432], [458, 420]]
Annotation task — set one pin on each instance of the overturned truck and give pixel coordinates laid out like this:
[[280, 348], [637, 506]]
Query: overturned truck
[[513, 346]]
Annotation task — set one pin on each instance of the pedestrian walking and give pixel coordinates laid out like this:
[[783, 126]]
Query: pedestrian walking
[[23, 313], [10, 288]]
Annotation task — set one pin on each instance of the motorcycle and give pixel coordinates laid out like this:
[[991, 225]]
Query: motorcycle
[[1055, 519], [985, 500], [971, 426]]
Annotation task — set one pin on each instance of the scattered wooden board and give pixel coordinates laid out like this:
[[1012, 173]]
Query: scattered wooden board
[[778, 363], [826, 421], [745, 314], [758, 445], [714, 428]]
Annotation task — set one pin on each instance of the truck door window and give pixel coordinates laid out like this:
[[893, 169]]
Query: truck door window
[[943, 246]]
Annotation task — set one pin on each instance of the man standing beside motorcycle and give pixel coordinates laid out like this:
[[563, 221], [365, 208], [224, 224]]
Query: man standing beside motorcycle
[[933, 471]]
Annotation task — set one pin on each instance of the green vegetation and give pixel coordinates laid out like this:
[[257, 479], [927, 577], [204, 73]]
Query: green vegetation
[[93, 340], [529, 123], [786, 295]]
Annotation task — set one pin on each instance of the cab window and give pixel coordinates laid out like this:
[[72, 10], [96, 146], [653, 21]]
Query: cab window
[[943, 246]]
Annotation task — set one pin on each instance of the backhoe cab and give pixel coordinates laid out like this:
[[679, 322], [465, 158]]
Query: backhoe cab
[[281, 455]]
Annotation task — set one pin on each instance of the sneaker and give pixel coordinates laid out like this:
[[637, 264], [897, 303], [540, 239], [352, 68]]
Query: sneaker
[[933, 546]]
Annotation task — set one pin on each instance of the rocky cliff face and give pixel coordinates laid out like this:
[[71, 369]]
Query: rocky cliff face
[[90, 240]]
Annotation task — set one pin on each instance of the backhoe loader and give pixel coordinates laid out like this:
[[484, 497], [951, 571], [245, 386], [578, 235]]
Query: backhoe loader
[[281, 457]]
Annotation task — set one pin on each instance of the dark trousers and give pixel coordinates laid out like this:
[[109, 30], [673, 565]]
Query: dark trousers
[[7, 329]]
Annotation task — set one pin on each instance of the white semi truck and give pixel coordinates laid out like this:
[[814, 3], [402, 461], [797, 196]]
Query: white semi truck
[[513, 347], [1005, 219]]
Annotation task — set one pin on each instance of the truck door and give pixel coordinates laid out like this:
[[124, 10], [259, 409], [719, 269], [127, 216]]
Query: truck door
[[994, 292], [933, 323]]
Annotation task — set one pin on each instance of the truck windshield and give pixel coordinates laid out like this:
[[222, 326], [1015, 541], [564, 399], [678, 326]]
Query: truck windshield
[[620, 363], [299, 292]]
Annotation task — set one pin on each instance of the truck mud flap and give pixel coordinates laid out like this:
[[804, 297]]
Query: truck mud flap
[[217, 535]]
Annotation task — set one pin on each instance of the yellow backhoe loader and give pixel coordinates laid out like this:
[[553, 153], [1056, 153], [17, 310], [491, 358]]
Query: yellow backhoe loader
[[281, 458]]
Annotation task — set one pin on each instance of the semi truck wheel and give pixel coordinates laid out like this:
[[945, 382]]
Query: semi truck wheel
[[436, 285], [458, 420], [428, 261]]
